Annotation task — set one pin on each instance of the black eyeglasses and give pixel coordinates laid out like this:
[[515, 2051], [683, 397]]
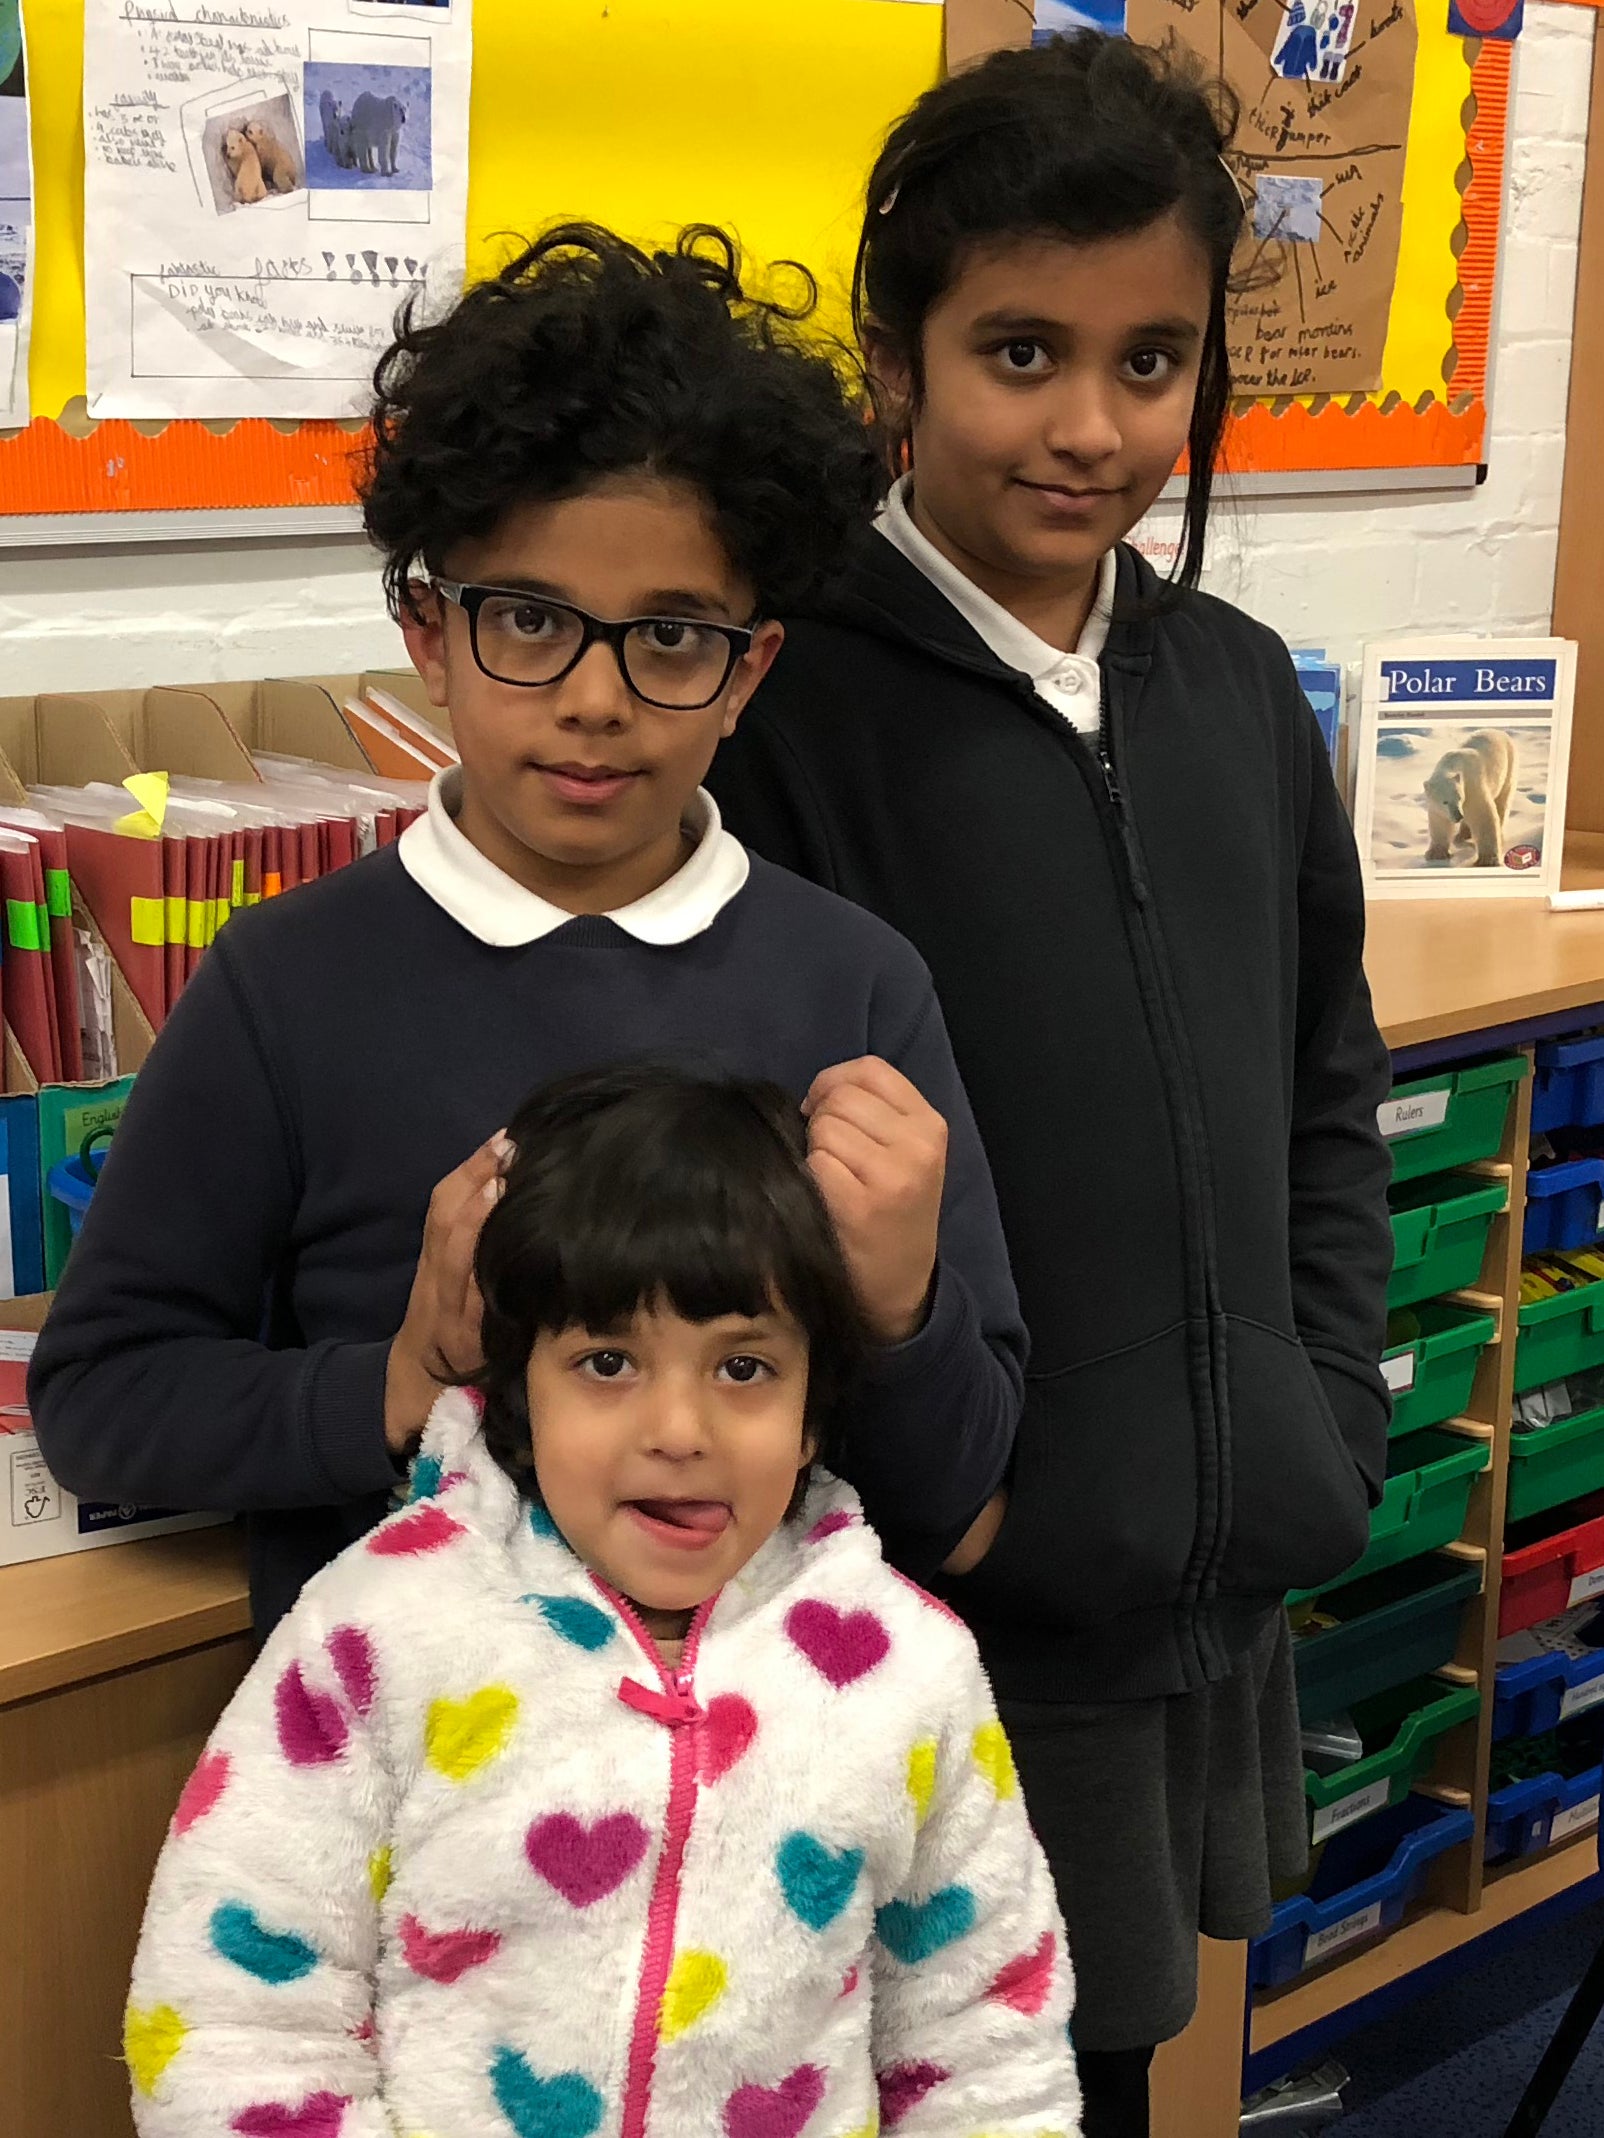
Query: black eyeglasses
[[680, 664]]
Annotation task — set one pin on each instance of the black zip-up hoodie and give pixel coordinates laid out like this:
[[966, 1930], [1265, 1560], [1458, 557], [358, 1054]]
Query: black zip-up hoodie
[[1149, 957]]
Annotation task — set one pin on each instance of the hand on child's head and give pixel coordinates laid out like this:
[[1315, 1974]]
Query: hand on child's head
[[667, 1451], [439, 1338]]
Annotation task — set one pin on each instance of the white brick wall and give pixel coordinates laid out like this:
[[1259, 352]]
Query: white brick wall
[[1328, 571]]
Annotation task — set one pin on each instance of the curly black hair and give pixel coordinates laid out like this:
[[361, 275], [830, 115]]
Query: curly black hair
[[1084, 136], [646, 1185], [586, 357]]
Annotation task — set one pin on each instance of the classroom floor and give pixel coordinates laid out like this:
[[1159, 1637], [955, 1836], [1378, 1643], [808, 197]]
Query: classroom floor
[[1454, 2064]]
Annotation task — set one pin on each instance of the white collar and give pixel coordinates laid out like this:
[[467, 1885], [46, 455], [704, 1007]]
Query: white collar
[[443, 862], [1013, 643]]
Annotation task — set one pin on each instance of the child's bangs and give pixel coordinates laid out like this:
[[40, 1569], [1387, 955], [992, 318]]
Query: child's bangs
[[705, 1253]]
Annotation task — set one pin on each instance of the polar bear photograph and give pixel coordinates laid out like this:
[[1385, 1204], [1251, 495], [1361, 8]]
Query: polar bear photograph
[[1459, 795], [1467, 797]]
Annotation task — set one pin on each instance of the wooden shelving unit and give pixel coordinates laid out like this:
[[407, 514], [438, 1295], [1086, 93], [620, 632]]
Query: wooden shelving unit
[[1452, 978]]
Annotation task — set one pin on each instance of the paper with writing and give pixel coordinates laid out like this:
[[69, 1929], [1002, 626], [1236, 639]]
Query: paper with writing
[[16, 218], [1321, 164], [266, 182]]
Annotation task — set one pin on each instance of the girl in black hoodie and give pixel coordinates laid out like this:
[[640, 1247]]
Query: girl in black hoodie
[[1101, 808]]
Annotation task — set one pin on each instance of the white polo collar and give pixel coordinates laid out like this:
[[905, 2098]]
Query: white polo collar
[[1062, 677], [443, 862]]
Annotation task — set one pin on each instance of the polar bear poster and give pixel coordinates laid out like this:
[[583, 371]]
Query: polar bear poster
[[1461, 755]]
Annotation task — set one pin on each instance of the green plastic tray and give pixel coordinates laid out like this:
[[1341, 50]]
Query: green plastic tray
[[1559, 1336], [1400, 1729], [1389, 1628], [1439, 1236], [1423, 1505], [1454, 1130], [1556, 1463], [1430, 1362]]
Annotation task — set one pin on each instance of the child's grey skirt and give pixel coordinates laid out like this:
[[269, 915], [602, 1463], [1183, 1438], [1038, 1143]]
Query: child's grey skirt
[[1162, 1818]]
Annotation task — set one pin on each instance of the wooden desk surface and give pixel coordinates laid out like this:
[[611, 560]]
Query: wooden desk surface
[[64, 1620], [1440, 967]]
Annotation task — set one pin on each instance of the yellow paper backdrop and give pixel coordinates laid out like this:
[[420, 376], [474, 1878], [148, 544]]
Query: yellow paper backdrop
[[1418, 327], [650, 113], [645, 114]]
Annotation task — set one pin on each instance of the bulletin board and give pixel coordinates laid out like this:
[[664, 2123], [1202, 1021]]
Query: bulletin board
[[646, 115]]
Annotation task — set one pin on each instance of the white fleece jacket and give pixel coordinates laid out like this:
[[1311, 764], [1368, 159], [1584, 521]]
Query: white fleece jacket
[[463, 1861]]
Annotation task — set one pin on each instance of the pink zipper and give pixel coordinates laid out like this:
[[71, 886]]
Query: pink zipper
[[676, 1708]]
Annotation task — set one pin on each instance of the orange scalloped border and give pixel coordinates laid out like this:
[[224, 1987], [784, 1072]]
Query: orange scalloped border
[[188, 466]]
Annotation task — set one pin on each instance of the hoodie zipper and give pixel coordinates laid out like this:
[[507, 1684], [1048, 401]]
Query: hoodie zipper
[[673, 1704], [1207, 1369]]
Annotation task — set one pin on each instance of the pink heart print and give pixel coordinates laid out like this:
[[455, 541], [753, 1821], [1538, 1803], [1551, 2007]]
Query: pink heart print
[[1026, 1983], [319, 2116], [311, 1728], [351, 1653], [903, 2087], [202, 1790], [775, 2111], [425, 1529], [828, 1525], [445, 1955], [729, 1724], [841, 1646], [585, 1863]]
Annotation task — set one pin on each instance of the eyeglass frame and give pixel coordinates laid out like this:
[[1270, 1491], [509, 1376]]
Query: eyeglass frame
[[471, 595]]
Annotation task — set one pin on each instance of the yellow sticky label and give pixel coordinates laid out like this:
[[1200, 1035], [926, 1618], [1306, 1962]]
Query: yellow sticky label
[[238, 885], [197, 924], [147, 922], [177, 919]]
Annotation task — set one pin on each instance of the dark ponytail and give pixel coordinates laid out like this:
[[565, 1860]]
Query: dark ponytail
[[1083, 137]]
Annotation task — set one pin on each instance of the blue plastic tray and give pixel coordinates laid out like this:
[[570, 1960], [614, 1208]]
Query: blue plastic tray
[[1564, 1205], [1538, 1695], [1521, 1818], [1568, 1089], [1367, 1877]]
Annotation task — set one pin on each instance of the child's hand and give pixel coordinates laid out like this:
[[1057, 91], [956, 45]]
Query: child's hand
[[440, 1337], [978, 1538], [878, 1152]]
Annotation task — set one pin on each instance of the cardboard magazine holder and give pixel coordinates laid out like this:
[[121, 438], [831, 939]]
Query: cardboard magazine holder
[[293, 717], [67, 742]]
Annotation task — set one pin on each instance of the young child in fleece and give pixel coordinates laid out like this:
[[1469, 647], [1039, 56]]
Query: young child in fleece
[[616, 1785]]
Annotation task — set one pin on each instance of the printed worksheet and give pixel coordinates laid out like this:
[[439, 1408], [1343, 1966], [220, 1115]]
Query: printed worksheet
[[266, 182], [16, 219]]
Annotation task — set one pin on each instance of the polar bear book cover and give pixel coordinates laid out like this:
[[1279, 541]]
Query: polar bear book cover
[[1461, 754]]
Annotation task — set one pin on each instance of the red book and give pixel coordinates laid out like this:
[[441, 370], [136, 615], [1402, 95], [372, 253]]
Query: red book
[[47, 951], [342, 841], [252, 843], [120, 881], [28, 996], [195, 893], [63, 952], [174, 853]]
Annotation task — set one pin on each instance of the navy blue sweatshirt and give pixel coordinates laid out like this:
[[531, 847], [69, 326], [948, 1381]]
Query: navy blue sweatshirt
[[221, 1332]]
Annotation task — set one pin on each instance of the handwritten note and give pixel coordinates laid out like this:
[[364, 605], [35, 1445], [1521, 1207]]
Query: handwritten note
[[265, 185], [16, 219], [1319, 157]]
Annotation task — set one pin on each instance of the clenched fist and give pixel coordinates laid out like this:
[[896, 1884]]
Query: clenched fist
[[878, 1152]]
